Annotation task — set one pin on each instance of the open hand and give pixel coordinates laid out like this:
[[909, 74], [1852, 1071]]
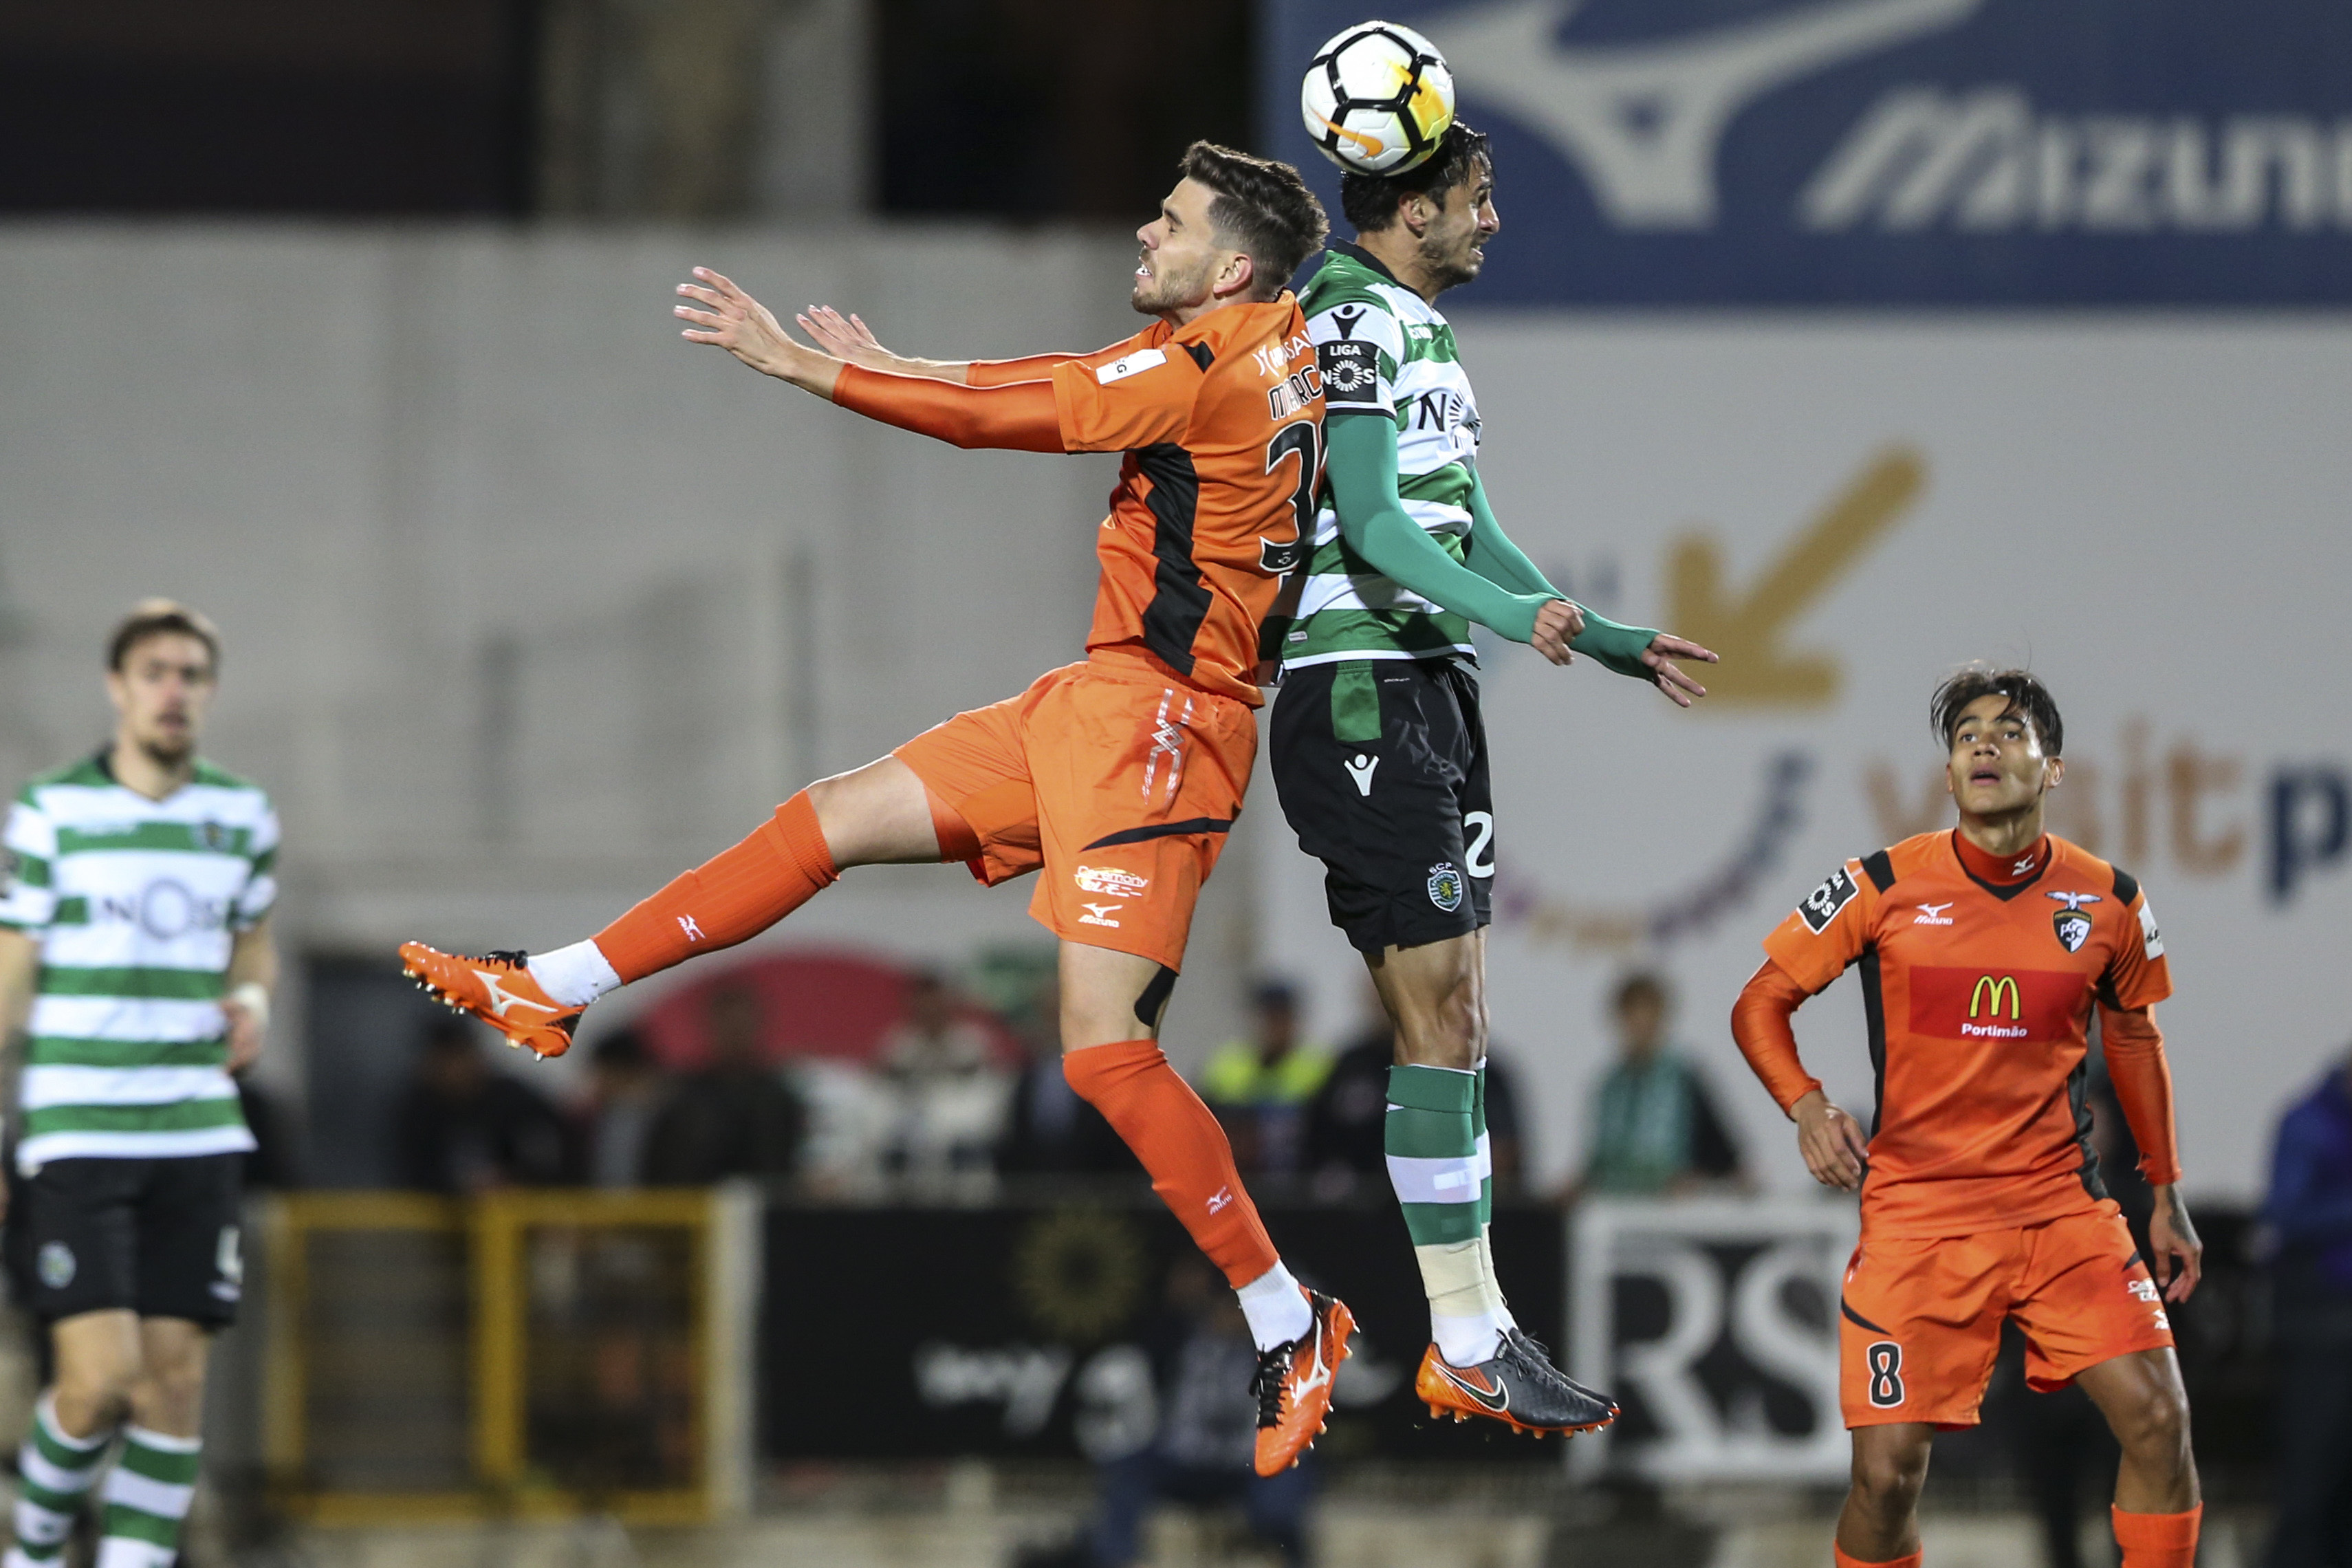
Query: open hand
[[1669, 678], [845, 337], [1556, 621], [2179, 1258], [1831, 1140], [736, 322]]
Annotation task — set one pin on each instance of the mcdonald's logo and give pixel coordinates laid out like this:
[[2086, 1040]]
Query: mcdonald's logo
[[1989, 988]]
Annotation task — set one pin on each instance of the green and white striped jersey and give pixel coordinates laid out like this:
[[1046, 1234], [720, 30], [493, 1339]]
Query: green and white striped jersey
[[1382, 349], [136, 904]]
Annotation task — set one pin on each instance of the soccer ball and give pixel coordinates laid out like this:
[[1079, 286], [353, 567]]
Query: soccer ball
[[1377, 98]]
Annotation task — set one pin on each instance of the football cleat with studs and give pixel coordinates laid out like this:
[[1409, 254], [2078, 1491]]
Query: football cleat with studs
[[1519, 1387], [1293, 1384], [496, 988]]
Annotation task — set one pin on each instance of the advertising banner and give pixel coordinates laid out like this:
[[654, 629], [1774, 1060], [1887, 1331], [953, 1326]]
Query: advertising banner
[[1714, 1324], [1889, 152]]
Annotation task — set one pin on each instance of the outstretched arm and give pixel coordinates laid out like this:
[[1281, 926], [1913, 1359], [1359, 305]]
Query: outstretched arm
[[1832, 1144], [849, 338], [1363, 470], [1642, 652], [2134, 1047], [1020, 417]]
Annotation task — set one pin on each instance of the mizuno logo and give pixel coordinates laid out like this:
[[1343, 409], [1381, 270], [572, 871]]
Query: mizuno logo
[[1220, 1200], [2021, 866], [1099, 914], [1360, 770], [501, 999], [693, 932], [1932, 915]]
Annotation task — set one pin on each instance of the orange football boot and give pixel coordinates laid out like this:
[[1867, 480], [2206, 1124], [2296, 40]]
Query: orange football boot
[[1293, 1384], [1519, 1387], [498, 989]]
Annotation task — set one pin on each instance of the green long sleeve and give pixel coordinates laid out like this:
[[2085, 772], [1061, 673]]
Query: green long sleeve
[[1493, 556], [1362, 469]]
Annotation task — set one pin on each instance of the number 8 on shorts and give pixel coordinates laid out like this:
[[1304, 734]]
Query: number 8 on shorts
[[1884, 1358]]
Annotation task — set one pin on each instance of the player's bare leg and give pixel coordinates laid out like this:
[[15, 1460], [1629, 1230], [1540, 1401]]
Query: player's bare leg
[[1112, 1003], [117, 1372], [2158, 1503], [1479, 1362], [1881, 1519]]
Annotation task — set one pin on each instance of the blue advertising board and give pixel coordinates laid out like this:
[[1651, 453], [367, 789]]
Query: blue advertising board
[[1888, 152]]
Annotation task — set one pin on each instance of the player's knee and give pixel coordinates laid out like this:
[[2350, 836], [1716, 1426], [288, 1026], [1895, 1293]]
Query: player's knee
[[90, 1397], [1888, 1478], [2154, 1427]]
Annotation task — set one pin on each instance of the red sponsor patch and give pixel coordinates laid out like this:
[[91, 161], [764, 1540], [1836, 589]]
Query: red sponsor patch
[[1995, 1004]]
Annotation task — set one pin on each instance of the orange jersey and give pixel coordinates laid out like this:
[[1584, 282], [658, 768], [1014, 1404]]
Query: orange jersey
[[1978, 994], [1222, 422]]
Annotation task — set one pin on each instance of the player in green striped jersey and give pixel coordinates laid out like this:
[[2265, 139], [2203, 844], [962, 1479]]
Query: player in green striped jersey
[[134, 946], [1379, 751]]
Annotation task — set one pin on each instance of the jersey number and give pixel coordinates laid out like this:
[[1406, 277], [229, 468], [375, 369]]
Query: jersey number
[[1302, 439], [1885, 1360]]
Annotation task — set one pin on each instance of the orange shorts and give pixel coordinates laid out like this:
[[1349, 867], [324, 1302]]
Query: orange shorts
[[1119, 783], [1921, 1318]]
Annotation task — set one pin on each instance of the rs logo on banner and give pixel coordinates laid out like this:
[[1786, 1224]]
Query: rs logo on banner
[[1713, 1323]]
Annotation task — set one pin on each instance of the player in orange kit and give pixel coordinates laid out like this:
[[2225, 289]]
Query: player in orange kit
[[1983, 952], [1117, 777]]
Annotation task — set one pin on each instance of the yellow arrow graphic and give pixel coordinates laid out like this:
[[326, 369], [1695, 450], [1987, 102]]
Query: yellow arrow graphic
[[1756, 672]]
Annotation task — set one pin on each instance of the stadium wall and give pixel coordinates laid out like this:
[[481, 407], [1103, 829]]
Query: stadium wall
[[530, 604]]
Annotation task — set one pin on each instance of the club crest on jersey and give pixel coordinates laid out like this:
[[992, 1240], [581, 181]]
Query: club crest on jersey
[[2072, 926], [1822, 904], [1446, 886]]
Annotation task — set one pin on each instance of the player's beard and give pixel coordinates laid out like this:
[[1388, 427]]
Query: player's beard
[[1164, 291], [169, 751], [1450, 264]]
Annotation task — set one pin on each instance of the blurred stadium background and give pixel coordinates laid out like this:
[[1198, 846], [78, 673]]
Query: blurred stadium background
[[1856, 338]]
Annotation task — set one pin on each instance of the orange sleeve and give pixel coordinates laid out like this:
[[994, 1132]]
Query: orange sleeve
[[2143, 1080], [1009, 372], [1022, 416], [1141, 397], [1759, 1023]]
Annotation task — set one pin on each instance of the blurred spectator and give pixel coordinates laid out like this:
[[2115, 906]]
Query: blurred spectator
[[1343, 1147], [735, 1117], [1655, 1130], [2310, 1212], [950, 1098], [1050, 1131], [1259, 1087], [1186, 1434], [615, 1124], [464, 1126]]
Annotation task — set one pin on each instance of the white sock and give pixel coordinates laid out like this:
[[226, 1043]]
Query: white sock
[[1276, 1309], [1462, 1308], [1486, 1266], [575, 976]]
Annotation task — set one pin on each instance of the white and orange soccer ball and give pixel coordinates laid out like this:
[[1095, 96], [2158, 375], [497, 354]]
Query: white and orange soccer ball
[[1377, 98]]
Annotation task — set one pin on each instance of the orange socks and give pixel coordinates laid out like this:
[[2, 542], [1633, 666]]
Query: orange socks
[[2158, 1540], [1844, 1561], [735, 895], [1181, 1145]]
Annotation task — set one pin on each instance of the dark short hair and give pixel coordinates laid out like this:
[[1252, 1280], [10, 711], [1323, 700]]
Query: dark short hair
[[157, 617], [2023, 692], [1370, 200], [1264, 207], [1640, 983]]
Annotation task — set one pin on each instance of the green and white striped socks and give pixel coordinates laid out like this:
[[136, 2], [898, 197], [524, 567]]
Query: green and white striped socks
[[57, 1472], [1435, 1159], [147, 1496]]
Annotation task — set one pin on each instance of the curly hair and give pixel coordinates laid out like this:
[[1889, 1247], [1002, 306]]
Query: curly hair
[[2023, 689], [1264, 207]]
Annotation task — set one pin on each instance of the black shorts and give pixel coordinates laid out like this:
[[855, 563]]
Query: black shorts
[[1382, 767], [158, 1236]]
